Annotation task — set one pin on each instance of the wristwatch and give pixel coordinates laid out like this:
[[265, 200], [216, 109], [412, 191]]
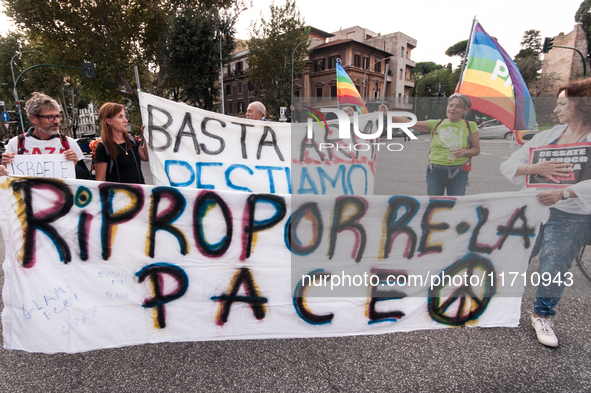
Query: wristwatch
[[565, 194]]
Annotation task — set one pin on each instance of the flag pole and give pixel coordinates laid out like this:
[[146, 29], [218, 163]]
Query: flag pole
[[468, 46], [337, 78]]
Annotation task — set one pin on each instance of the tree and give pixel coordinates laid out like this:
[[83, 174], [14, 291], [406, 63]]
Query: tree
[[115, 35], [425, 67], [457, 49], [528, 60], [583, 16], [532, 40], [195, 51], [270, 54], [447, 77], [48, 80], [11, 44]]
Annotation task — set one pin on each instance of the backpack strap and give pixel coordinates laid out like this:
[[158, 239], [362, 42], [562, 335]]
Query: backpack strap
[[111, 162], [435, 129], [469, 134], [64, 140], [433, 133], [21, 143]]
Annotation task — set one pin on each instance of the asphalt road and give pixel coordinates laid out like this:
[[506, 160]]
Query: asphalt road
[[460, 359]]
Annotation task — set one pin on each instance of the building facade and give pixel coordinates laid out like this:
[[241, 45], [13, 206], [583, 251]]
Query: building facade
[[400, 46], [87, 119], [363, 54]]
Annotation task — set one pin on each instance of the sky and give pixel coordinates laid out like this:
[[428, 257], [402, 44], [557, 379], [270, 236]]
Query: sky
[[435, 24]]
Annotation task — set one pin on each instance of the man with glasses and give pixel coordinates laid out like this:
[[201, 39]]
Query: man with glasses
[[44, 114]]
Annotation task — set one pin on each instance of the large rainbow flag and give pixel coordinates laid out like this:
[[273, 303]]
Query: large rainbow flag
[[495, 85], [346, 91]]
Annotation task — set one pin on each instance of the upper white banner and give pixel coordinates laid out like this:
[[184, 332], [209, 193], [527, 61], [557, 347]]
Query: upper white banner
[[191, 147]]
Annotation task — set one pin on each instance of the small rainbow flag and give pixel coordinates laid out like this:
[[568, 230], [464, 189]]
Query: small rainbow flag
[[346, 91], [495, 85]]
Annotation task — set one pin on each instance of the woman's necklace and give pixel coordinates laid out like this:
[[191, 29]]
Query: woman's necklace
[[580, 139], [125, 150]]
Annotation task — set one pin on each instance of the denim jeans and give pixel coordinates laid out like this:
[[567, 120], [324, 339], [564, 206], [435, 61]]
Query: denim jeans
[[559, 241], [440, 178]]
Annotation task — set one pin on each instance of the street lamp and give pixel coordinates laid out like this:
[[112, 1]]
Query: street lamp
[[367, 69], [18, 109], [292, 60]]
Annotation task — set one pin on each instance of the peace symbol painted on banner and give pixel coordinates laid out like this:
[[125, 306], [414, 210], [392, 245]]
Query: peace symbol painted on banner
[[457, 298]]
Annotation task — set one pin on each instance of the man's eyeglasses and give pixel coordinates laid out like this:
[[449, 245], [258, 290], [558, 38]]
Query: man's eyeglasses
[[50, 117]]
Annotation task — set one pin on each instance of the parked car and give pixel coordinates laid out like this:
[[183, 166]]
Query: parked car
[[83, 143], [493, 129]]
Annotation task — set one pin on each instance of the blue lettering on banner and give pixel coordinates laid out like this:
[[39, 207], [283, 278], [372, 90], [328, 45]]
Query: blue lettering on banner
[[229, 182], [198, 166], [181, 174], [186, 165], [343, 178]]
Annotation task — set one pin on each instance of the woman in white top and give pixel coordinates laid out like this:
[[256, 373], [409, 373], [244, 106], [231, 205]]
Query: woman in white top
[[569, 226]]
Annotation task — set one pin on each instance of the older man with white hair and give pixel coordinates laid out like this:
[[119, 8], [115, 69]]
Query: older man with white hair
[[256, 111]]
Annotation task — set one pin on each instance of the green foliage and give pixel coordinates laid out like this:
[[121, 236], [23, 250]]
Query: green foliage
[[583, 15], [270, 54], [528, 60], [9, 46], [49, 80], [425, 67], [532, 40], [447, 77], [457, 49], [195, 51], [115, 35]]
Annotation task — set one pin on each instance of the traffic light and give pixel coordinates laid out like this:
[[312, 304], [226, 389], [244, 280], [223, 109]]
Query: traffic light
[[436, 99], [548, 42], [88, 70]]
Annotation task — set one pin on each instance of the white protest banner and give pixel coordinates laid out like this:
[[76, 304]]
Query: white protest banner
[[324, 162], [577, 154], [42, 165], [93, 265], [191, 147]]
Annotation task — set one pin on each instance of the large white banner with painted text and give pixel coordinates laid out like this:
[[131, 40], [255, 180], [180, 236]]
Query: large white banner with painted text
[[93, 265], [191, 147]]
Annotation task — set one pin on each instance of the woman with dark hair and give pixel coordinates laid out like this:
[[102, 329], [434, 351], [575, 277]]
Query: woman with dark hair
[[454, 141], [569, 226], [118, 155]]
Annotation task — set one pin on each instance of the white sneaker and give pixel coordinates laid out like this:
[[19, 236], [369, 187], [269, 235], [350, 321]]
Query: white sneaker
[[544, 331]]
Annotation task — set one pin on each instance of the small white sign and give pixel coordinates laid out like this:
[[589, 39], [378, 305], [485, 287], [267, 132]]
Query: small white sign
[[42, 165]]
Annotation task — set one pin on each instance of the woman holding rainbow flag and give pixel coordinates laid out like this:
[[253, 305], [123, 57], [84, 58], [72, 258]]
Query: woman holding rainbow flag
[[569, 227], [454, 141]]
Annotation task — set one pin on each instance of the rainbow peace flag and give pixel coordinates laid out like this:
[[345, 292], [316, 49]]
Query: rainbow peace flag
[[346, 91], [495, 85]]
